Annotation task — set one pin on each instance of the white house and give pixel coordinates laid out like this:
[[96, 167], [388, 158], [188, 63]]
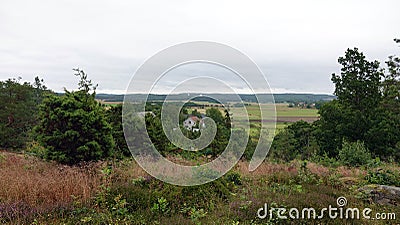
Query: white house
[[194, 123], [191, 122]]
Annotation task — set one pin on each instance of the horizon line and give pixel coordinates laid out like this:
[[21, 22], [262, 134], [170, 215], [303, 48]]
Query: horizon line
[[141, 93]]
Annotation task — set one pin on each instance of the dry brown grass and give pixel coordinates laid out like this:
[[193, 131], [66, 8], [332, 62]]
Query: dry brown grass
[[265, 169], [30, 185], [268, 168], [127, 170]]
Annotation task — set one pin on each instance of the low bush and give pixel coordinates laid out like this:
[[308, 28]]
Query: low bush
[[354, 154], [383, 177], [327, 161]]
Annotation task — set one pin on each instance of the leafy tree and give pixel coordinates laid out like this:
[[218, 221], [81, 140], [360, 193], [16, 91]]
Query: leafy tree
[[384, 135], [367, 109], [392, 94], [18, 111], [358, 85], [391, 84], [358, 89], [336, 122], [383, 138], [114, 117], [303, 133], [73, 127], [216, 115]]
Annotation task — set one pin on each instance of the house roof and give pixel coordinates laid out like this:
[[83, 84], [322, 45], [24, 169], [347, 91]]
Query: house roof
[[195, 118]]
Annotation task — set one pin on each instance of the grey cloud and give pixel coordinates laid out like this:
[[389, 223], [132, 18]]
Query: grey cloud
[[295, 43]]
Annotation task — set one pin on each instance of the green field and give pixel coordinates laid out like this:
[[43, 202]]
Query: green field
[[284, 114], [284, 110]]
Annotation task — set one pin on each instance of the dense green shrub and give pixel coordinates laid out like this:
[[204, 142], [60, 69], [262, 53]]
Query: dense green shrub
[[73, 127], [383, 177], [114, 117], [354, 154], [223, 134], [295, 141], [325, 160]]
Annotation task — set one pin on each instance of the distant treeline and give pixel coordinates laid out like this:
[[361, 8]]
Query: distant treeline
[[262, 98]]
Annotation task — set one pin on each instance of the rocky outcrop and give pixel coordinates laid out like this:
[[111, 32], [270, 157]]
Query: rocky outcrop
[[381, 194]]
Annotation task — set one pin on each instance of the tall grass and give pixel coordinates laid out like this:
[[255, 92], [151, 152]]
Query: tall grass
[[120, 192], [30, 186]]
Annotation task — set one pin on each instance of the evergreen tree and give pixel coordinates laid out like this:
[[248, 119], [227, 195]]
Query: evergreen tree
[[114, 117], [73, 127]]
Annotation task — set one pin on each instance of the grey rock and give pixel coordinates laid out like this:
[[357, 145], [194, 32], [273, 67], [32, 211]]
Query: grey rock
[[381, 194]]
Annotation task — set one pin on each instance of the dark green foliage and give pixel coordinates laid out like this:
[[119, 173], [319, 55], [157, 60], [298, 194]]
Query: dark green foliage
[[383, 177], [383, 138], [114, 117], [18, 111], [234, 177], [190, 134], [367, 109], [196, 113], [302, 133], [358, 85], [155, 129], [331, 128], [220, 140], [156, 132], [327, 161], [354, 154], [216, 115], [223, 134], [319, 104], [163, 145], [359, 93], [295, 141], [282, 147], [73, 127], [228, 121], [391, 84], [250, 149], [385, 131]]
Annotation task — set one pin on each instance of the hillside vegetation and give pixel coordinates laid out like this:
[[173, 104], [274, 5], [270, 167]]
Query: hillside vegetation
[[64, 158]]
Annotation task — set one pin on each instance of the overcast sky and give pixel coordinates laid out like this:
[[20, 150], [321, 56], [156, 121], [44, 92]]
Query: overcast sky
[[295, 43]]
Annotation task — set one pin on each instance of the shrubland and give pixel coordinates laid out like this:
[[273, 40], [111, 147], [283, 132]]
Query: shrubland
[[67, 161]]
